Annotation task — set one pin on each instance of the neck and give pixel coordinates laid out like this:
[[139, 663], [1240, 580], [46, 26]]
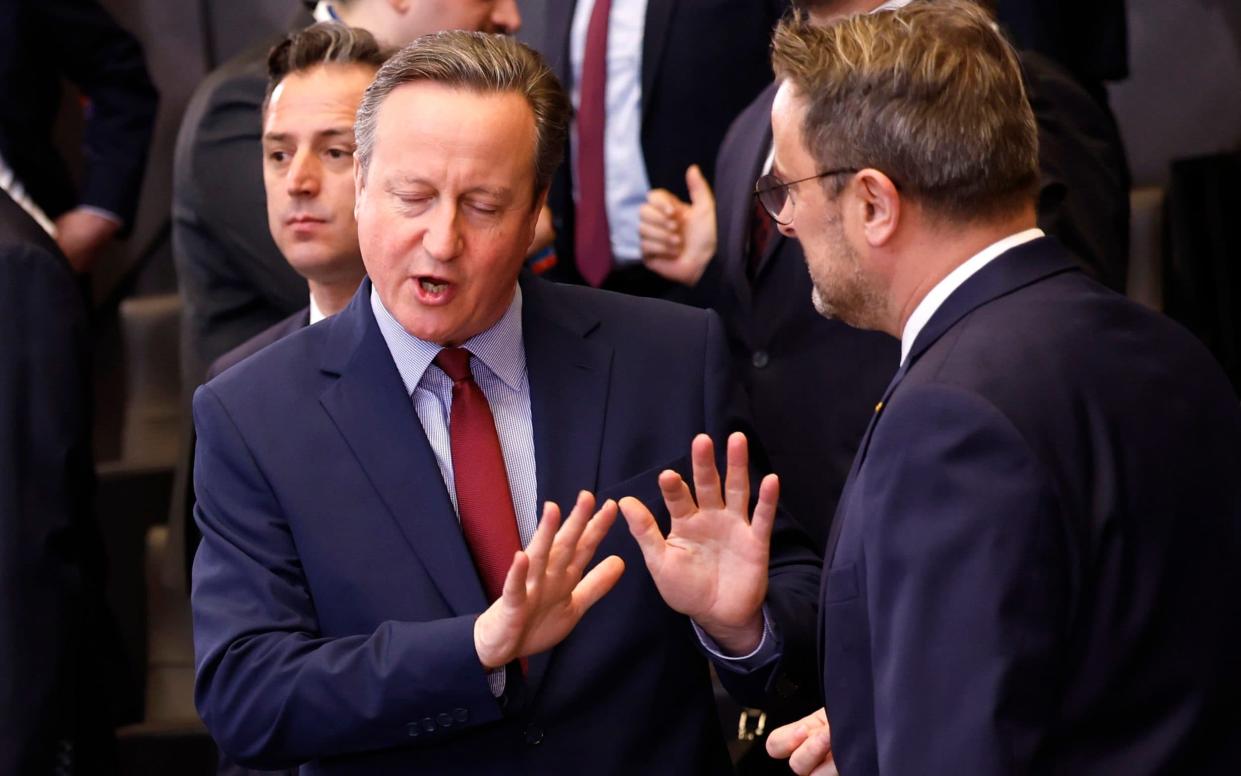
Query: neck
[[934, 252], [331, 298]]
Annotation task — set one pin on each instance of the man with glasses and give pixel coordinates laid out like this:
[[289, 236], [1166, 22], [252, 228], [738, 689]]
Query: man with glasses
[[796, 364], [1034, 563]]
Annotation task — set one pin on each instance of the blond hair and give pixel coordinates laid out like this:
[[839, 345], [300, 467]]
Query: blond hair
[[478, 62], [931, 95]]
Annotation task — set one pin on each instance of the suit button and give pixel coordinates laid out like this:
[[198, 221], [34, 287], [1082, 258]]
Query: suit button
[[428, 724], [412, 729], [462, 715], [534, 735], [760, 359], [444, 718]]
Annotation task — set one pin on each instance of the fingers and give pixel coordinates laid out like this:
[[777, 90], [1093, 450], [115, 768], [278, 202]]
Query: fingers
[[514, 593], [706, 476], [564, 546], [700, 194], [660, 236], [595, 585], [814, 753], [737, 476], [593, 534], [540, 545], [784, 740], [644, 530], [765, 510], [677, 497]]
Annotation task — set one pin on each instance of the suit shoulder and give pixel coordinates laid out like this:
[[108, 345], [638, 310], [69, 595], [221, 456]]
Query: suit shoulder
[[268, 336], [273, 363]]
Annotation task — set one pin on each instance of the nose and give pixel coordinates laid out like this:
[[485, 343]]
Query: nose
[[303, 178], [442, 239], [786, 229], [505, 16]]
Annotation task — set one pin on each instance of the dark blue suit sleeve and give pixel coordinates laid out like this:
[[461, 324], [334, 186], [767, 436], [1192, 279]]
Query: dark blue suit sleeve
[[272, 690], [967, 587]]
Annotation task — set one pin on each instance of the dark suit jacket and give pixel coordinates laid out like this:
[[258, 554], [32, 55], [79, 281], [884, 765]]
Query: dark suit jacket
[[334, 597], [1035, 558], [702, 63], [51, 590], [234, 282], [42, 41], [1090, 39], [183, 533]]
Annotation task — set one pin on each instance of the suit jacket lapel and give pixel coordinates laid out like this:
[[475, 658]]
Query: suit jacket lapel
[[757, 130], [569, 377], [370, 408], [1019, 267]]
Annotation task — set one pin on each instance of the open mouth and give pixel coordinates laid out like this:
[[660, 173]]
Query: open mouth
[[433, 290]]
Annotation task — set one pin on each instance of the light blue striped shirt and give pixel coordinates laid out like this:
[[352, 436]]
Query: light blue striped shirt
[[499, 367]]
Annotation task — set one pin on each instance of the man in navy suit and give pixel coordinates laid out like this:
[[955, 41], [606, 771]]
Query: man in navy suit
[[355, 610], [1034, 561]]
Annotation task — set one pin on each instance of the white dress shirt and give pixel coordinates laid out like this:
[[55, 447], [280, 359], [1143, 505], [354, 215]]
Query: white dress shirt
[[953, 280], [626, 183]]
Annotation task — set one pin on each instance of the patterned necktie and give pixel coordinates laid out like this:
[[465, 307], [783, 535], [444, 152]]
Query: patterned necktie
[[592, 244], [484, 501]]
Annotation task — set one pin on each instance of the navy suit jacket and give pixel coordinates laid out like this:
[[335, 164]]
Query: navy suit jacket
[[334, 596], [1035, 563]]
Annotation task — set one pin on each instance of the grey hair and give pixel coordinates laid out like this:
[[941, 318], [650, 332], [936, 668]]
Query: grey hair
[[478, 62], [931, 95]]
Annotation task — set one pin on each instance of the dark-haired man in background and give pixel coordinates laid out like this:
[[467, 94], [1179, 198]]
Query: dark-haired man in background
[[234, 281]]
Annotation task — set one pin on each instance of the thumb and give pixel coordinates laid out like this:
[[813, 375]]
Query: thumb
[[699, 190]]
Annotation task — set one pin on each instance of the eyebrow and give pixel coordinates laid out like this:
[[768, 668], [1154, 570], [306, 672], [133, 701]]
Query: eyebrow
[[280, 137]]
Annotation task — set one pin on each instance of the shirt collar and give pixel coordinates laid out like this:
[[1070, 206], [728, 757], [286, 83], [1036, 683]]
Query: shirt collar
[[316, 314], [499, 348], [324, 12], [953, 280]]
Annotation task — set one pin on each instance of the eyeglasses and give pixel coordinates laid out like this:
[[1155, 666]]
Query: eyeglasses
[[773, 194]]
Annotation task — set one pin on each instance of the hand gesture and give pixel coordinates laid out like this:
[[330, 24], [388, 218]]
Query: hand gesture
[[713, 564], [544, 593], [806, 744], [679, 238]]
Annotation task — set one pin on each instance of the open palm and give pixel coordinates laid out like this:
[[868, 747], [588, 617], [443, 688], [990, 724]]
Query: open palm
[[712, 566]]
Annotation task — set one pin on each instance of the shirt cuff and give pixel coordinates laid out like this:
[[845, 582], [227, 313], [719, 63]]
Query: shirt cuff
[[762, 653], [496, 680]]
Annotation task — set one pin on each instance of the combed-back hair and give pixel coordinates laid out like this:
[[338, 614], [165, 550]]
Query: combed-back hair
[[324, 43], [478, 62], [931, 95]]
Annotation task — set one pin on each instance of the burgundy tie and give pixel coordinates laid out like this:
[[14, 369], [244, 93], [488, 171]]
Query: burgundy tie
[[484, 500], [591, 242], [760, 238]]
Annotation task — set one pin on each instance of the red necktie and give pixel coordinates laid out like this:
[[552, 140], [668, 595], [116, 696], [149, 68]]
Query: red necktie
[[760, 238], [484, 501], [591, 241]]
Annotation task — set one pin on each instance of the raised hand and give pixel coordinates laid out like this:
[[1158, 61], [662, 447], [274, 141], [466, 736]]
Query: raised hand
[[545, 593], [806, 744], [713, 564], [679, 238]]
